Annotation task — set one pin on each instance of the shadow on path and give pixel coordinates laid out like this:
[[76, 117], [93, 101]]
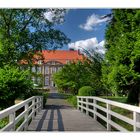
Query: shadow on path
[[60, 121], [50, 123], [40, 123], [55, 102]]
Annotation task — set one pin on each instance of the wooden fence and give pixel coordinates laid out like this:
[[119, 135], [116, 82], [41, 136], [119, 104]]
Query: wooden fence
[[20, 114], [104, 110]]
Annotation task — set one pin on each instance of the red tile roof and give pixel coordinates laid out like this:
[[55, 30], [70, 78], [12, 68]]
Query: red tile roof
[[61, 56]]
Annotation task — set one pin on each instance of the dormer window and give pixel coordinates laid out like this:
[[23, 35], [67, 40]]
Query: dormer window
[[39, 62], [67, 61]]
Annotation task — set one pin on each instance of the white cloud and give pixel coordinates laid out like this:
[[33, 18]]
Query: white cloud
[[88, 44], [93, 21], [52, 16], [49, 15]]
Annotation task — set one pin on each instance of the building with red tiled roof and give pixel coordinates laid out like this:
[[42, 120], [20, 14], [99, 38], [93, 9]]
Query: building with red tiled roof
[[50, 62]]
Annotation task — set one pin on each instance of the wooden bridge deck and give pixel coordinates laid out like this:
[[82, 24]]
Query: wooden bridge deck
[[60, 116]]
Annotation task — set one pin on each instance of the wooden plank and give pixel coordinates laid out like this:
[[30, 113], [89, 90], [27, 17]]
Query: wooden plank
[[121, 117], [118, 127], [96, 106], [114, 103], [11, 112], [6, 112], [8, 127]]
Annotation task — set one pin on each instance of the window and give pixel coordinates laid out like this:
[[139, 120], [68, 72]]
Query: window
[[59, 68], [53, 62], [50, 70], [38, 80], [38, 69], [47, 81], [52, 84], [33, 79], [53, 69], [67, 61], [39, 62], [46, 69], [33, 69]]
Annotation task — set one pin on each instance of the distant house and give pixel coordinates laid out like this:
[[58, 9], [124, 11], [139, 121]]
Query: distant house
[[52, 62]]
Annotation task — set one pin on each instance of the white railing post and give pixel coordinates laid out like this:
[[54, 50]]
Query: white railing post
[[136, 118], [12, 119], [108, 117], [33, 108], [77, 103], [86, 106], [82, 105], [41, 102], [37, 105], [26, 116], [95, 109]]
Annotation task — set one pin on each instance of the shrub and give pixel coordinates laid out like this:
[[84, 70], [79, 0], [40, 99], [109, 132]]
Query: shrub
[[86, 91], [14, 83], [72, 100]]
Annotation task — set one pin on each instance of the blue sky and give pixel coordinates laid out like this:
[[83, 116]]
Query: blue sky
[[84, 27]]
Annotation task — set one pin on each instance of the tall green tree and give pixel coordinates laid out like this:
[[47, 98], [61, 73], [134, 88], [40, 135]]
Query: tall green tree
[[121, 73], [75, 75], [71, 77], [24, 31], [13, 84]]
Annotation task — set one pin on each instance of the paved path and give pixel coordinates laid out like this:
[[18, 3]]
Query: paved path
[[58, 115]]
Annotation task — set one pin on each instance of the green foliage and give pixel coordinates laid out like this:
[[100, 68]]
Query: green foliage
[[86, 91], [23, 31], [75, 75], [71, 77], [72, 100], [13, 84], [3, 123], [120, 68]]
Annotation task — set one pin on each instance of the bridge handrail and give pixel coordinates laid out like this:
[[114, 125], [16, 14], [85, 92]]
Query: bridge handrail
[[83, 104], [31, 107]]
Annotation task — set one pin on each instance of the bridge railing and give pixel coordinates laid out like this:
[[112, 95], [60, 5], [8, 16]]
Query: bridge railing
[[106, 110], [19, 115]]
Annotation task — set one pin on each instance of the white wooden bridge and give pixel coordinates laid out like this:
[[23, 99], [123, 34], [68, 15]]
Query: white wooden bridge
[[30, 115]]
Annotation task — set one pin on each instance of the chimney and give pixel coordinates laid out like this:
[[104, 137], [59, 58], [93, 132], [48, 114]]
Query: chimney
[[79, 52], [71, 49]]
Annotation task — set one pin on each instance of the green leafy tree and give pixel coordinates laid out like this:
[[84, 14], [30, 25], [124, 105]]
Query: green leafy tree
[[121, 66], [93, 66], [13, 84], [23, 31], [73, 76]]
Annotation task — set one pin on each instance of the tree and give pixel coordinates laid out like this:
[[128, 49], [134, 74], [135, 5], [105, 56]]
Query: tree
[[25, 31], [93, 65], [121, 66], [71, 77], [75, 75], [13, 84]]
